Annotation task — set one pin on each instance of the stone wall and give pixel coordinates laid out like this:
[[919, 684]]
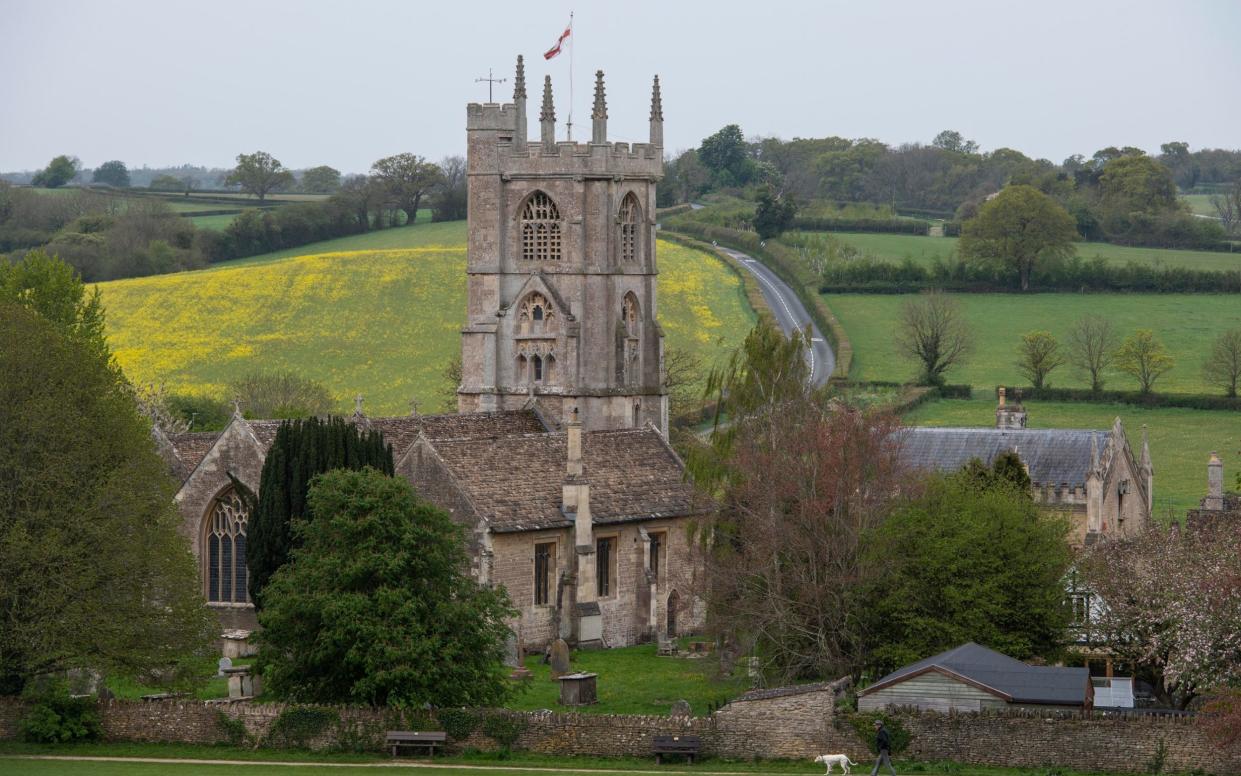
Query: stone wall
[[791, 723]]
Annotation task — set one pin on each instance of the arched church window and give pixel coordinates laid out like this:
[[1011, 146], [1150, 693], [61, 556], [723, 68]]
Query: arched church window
[[629, 216], [540, 229], [225, 545], [630, 314], [537, 367], [535, 315]]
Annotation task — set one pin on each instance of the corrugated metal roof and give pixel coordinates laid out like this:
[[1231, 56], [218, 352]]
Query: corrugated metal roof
[[1054, 456], [1023, 683]]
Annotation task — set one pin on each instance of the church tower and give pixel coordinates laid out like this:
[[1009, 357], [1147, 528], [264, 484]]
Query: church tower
[[561, 303]]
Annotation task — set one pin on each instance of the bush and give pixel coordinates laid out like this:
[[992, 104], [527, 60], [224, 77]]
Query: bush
[[1193, 401], [864, 726], [297, 726], [234, 729], [880, 225], [458, 723], [57, 718], [504, 729]]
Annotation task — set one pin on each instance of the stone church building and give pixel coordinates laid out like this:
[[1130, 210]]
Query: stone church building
[[557, 462]]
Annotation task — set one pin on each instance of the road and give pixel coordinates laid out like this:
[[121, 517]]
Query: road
[[790, 314]]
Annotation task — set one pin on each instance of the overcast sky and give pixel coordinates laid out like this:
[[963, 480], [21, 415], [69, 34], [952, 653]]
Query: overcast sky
[[343, 83]]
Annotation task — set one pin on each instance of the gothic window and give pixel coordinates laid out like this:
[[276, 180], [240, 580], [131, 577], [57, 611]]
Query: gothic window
[[544, 564], [226, 550], [657, 550], [629, 216], [540, 229], [630, 314], [536, 367], [605, 566], [535, 315]]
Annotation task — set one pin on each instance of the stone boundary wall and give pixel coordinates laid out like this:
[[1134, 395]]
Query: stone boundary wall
[[797, 725]]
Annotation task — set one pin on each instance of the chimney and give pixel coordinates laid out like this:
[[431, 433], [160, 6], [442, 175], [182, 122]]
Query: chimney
[[519, 102], [1215, 483], [599, 116], [657, 116], [1009, 416], [547, 116]]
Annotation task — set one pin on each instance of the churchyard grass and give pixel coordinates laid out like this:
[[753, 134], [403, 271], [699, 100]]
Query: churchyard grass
[[364, 318], [1180, 439], [634, 680], [924, 250], [1186, 323]]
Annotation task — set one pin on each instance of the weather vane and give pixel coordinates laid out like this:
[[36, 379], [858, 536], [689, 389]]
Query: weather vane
[[491, 82]]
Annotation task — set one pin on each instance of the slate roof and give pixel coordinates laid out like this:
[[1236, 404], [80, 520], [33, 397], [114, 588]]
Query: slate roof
[[1054, 456], [191, 449], [1013, 679], [514, 482]]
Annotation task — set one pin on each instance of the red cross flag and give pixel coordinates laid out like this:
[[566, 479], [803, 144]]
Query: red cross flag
[[555, 50]]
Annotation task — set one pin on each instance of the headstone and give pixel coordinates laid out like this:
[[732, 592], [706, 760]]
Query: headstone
[[512, 651], [224, 664], [681, 709], [560, 658]]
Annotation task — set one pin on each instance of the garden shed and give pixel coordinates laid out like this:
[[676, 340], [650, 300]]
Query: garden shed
[[973, 678]]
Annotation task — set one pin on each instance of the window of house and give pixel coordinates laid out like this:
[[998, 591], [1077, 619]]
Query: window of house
[[544, 566], [540, 229], [658, 542], [605, 566], [227, 579], [629, 211]]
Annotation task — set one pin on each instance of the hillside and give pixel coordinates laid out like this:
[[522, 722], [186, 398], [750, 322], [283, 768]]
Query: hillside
[[379, 314]]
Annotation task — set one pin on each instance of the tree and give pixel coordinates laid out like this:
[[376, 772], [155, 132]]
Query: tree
[[785, 567], [1144, 357], [1037, 355], [1228, 208], [362, 196], [167, 183], [774, 213], [259, 173], [932, 332], [451, 201], [1223, 364], [1136, 184], [726, 156], [1182, 629], [113, 173], [301, 449], [57, 173], [321, 180], [93, 570], [378, 606], [52, 289], [1092, 348], [1021, 228], [683, 371], [951, 140], [967, 561], [280, 395], [406, 179]]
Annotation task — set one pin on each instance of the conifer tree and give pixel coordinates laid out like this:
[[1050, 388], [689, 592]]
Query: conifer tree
[[302, 449]]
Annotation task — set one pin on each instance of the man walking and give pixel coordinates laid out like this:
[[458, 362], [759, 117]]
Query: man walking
[[883, 744]]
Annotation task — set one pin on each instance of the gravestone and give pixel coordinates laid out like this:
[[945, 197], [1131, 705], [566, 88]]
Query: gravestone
[[560, 658], [514, 657], [681, 709], [224, 664]]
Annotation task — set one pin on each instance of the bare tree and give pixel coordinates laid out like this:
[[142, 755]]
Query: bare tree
[[683, 373], [1223, 364], [1037, 355], [934, 334], [1228, 207], [1092, 347], [451, 201]]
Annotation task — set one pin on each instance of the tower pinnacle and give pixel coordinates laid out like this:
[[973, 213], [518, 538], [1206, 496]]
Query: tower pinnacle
[[547, 116], [599, 116], [519, 83], [657, 116]]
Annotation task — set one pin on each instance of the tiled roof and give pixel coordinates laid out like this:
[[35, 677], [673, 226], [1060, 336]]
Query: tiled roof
[[480, 424], [191, 449], [1020, 682], [1054, 456], [515, 481]]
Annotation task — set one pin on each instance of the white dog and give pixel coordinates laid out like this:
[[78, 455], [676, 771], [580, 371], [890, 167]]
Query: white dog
[[835, 759]]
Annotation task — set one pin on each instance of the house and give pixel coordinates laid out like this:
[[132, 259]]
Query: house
[[1091, 475], [973, 678]]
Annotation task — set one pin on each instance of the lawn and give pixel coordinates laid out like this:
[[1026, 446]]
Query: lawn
[[1187, 324], [924, 250], [372, 314], [634, 680], [1180, 439]]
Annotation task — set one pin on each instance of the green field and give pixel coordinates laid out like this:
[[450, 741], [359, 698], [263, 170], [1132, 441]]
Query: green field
[[378, 314], [1187, 324], [1180, 439], [213, 222], [924, 250], [1200, 204]]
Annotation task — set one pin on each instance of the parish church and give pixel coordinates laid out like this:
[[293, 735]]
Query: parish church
[[557, 461]]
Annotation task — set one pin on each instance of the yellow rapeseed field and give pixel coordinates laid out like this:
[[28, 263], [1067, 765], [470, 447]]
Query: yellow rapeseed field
[[383, 323]]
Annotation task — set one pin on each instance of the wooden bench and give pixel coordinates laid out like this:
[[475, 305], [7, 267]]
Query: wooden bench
[[398, 738], [685, 746]]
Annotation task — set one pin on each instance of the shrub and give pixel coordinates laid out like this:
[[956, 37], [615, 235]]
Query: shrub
[[504, 729], [297, 726], [234, 729], [57, 718], [458, 723]]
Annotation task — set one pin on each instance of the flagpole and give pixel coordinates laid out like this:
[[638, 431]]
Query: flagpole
[[571, 47]]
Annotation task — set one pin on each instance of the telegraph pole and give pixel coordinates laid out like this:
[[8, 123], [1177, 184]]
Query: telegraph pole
[[490, 83]]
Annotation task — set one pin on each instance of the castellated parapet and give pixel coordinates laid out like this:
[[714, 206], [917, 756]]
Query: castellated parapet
[[562, 297]]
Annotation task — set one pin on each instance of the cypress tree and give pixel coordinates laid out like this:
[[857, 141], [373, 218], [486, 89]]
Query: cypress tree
[[301, 450]]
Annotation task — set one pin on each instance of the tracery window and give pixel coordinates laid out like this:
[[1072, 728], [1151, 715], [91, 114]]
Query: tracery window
[[540, 229], [226, 550], [629, 212], [535, 315]]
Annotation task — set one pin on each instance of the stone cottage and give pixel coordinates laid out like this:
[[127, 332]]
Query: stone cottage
[[558, 463]]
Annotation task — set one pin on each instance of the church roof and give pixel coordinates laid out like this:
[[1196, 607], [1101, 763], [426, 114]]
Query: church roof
[[191, 448], [515, 481], [1054, 456]]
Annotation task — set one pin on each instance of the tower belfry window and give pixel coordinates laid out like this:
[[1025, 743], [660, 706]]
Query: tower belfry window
[[629, 229], [540, 229]]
